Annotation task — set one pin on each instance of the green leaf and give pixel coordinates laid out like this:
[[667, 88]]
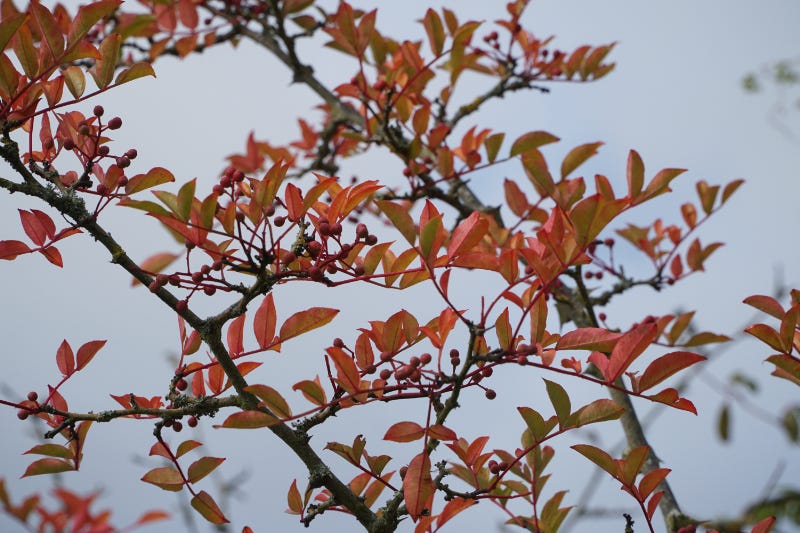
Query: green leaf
[[52, 450], [577, 156], [598, 457], [724, 423], [400, 219], [492, 145], [597, 411], [9, 26], [103, 71], [537, 425], [88, 16], [134, 72], [560, 400], [155, 176]]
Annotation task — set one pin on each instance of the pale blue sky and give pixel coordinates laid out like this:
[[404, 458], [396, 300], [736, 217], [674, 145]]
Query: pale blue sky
[[675, 97]]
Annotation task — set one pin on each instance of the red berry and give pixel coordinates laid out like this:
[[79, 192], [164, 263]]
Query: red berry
[[403, 471], [487, 371], [102, 190], [339, 343], [132, 153], [288, 258], [385, 356], [361, 231], [425, 358], [192, 422], [359, 270], [279, 221], [22, 414], [177, 426], [609, 242], [336, 229], [314, 248], [209, 290], [115, 123], [371, 240], [490, 394], [32, 396], [385, 374], [98, 111], [69, 145], [602, 316], [454, 353], [181, 306], [103, 151], [181, 384], [197, 277], [403, 372], [154, 286], [414, 361], [315, 273]]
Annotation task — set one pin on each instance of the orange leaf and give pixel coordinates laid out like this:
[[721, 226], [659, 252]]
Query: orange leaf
[[404, 432], [155, 176], [312, 390], [346, 371], [156, 263], [9, 250], [305, 321], [202, 467], [204, 504], [272, 400], [235, 336], [766, 304], [531, 140], [294, 499], [249, 420], [48, 465], [418, 487], [165, 477]]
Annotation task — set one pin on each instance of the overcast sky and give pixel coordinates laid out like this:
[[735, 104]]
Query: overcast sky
[[675, 97]]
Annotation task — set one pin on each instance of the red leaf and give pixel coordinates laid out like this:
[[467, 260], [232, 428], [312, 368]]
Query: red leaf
[[346, 370], [595, 339], [87, 352], [530, 140], [628, 348], [671, 397], [404, 432], [65, 358], [204, 504], [156, 263], [9, 250], [440, 432], [52, 254], [665, 366], [294, 202], [766, 304], [418, 487], [33, 227], [467, 234], [764, 525], [264, 322], [235, 336], [305, 321], [452, 508]]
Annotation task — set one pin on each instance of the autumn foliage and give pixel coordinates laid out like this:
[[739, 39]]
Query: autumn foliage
[[279, 215]]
